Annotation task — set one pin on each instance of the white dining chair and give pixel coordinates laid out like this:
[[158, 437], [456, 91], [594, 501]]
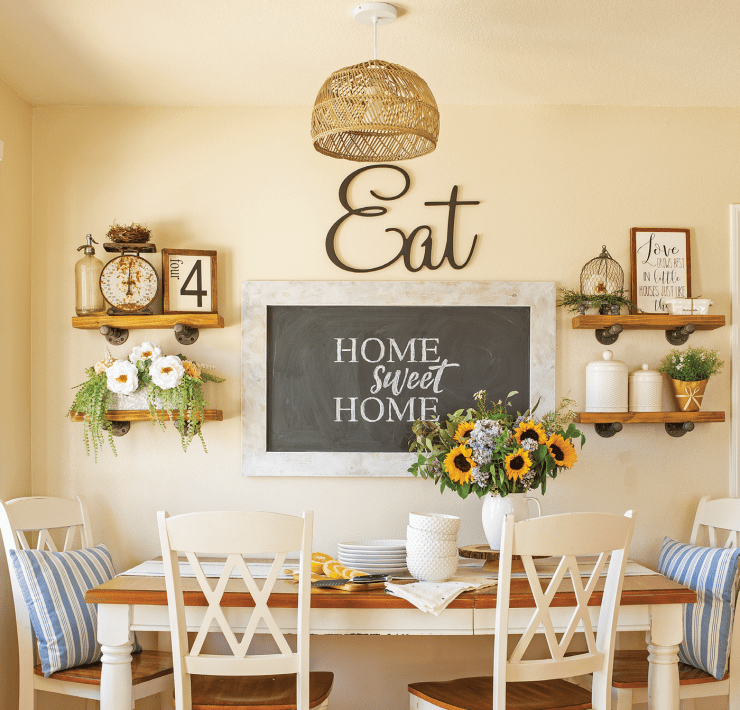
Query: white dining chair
[[48, 518], [717, 522], [539, 684], [238, 679]]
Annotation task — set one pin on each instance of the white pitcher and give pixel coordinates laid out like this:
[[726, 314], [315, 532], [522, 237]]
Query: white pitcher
[[496, 508]]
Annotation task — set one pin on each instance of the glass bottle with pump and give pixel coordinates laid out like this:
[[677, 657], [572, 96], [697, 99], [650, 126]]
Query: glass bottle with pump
[[88, 297]]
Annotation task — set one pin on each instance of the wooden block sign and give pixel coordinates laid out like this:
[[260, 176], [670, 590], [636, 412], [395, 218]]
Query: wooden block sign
[[190, 281], [661, 267]]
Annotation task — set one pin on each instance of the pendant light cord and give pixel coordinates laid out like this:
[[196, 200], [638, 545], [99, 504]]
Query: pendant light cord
[[375, 37]]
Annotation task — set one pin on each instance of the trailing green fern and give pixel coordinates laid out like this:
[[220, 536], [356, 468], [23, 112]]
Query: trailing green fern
[[92, 400]]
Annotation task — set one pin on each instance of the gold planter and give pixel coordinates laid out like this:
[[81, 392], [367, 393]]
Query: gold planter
[[689, 395]]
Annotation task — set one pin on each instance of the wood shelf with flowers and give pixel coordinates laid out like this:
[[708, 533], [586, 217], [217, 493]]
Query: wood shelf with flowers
[[146, 386]]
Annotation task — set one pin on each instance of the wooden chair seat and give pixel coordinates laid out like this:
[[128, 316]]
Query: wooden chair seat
[[477, 694], [145, 666], [631, 671], [277, 692]]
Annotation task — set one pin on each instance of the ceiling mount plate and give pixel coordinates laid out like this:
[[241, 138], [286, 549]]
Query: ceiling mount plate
[[370, 12]]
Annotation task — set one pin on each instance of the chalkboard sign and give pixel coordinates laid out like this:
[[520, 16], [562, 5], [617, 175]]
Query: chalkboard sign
[[354, 378], [334, 372]]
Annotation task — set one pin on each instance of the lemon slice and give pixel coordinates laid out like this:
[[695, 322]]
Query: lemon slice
[[318, 559]]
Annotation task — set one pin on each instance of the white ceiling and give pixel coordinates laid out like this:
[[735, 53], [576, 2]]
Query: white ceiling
[[279, 52]]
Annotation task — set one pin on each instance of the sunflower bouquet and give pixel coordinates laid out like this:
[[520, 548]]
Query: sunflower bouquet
[[490, 450]]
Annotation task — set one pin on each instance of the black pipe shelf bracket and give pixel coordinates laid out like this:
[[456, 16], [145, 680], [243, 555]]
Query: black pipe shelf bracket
[[184, 334], [115, 336], [607, 430], [608, 336], [678, 429], [679, 336], [120, 428], [675, 429]]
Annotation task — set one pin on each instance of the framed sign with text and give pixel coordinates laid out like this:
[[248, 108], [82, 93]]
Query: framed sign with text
[[190, 281], [661, 267], [335, 372]]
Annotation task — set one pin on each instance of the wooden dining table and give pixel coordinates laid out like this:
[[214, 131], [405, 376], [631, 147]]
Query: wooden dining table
[[649, 603]]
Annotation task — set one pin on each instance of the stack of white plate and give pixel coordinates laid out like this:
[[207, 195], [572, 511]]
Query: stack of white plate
[[374, 556]]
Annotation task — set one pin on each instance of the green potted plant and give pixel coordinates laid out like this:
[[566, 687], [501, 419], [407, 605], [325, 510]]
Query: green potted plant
[[689, 371], [147, 379]]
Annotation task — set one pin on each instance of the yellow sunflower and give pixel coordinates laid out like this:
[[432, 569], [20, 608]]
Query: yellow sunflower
[[562, 451], [459, 464], [517, 464], [463, 432], [530, 430]]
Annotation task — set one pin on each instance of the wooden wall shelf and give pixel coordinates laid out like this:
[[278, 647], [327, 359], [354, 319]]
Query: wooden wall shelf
[[677, 328], [648, 322], [195, 320], [676, 423], [122, 418], [115, 328], [144, 415]]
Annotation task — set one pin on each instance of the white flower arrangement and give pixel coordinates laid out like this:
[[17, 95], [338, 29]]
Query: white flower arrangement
[[170, 382]]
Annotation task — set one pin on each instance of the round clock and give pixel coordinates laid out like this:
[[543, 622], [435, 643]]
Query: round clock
[[129, 283]]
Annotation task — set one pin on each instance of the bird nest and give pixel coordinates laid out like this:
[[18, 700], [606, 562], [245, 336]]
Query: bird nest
[[129, 233]]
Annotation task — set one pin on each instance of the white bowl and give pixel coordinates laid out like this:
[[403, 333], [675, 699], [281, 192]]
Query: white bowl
[[435, 522], [431, 548], [415, 535], [432, 569]]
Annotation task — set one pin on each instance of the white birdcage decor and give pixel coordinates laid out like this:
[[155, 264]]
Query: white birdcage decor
[[602, 275]]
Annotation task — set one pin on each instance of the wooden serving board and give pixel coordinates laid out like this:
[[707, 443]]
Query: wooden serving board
[[491, 557]]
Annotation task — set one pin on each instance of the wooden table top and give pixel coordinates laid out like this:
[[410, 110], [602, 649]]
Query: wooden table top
[[637, 590]]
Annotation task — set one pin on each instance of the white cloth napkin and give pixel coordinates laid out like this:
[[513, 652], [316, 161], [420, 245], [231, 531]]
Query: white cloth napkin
[[434, 597]]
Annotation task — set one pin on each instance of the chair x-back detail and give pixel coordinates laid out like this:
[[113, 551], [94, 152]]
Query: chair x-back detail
[[47, 518], [261, 610], [539, 683], [717, 522], [241, 678]]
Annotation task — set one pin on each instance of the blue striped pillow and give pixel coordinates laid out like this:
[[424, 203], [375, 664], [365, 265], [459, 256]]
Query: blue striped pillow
[[54, 586], [712, 573]]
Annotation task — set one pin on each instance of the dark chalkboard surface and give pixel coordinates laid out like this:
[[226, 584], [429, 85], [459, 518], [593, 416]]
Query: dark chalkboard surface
[[353, 378]]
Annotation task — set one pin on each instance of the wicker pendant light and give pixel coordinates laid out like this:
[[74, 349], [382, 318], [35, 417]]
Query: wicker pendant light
[[376, 111]]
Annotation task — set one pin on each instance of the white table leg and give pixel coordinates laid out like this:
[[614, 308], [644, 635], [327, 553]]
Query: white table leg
[[116, 642], [666, 632]]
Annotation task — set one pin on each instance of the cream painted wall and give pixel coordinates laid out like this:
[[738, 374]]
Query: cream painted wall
[[555, 183], [15, 360]]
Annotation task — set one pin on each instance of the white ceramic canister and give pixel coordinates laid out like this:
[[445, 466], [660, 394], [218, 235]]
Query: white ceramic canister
[[606, 385], [646, 390]]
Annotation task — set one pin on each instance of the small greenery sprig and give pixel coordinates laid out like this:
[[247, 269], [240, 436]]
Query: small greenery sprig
[[92, 399], [490, 450], [572, 300], [171, 383], [691, 365]]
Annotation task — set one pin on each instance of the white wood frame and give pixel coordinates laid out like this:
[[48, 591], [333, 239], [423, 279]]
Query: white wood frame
[[734, 482], [257, 295]]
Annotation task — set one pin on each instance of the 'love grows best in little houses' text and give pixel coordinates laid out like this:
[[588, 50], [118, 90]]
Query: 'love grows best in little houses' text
[[398, 392]]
